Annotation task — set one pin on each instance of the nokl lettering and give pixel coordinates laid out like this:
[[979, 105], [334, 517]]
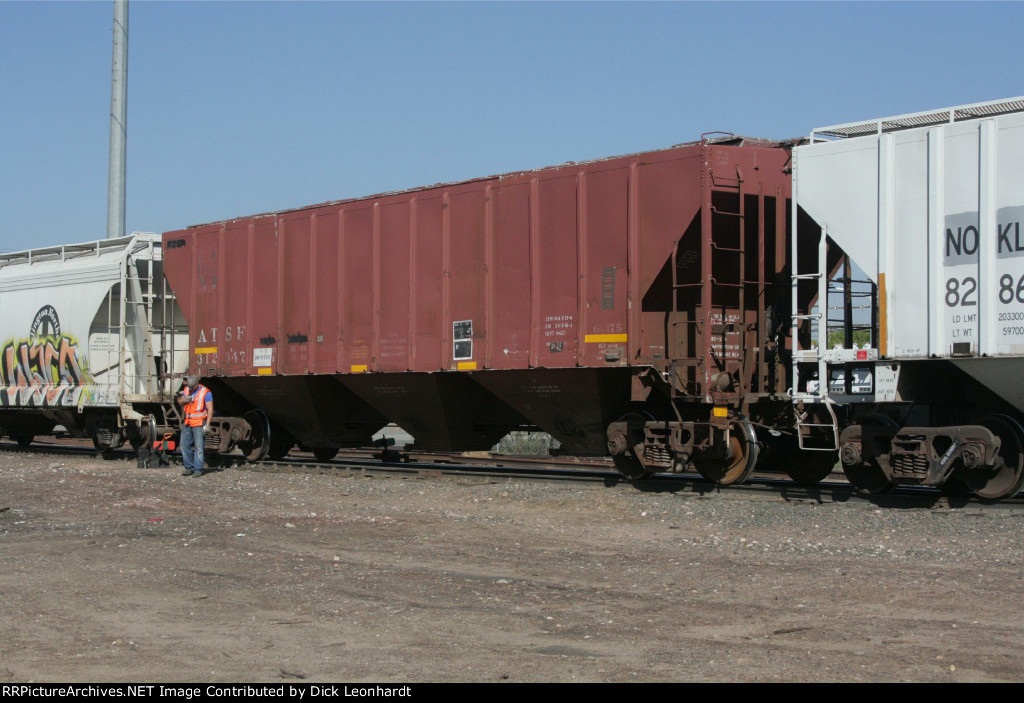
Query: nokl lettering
[[964, 240], [44, 369]]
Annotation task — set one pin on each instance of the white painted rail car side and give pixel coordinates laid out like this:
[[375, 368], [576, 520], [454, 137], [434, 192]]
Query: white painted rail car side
[[929, 207], [92, 340]]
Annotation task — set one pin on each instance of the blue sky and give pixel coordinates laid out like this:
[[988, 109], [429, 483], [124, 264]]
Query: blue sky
[[236, 108]]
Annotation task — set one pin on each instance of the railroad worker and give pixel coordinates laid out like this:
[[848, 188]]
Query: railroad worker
[[197, 403]]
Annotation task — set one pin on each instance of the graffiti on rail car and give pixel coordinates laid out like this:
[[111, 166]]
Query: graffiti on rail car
[[44, 369]]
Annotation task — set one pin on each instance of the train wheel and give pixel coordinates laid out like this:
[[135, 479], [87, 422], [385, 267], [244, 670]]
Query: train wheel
[[280, 444], [22, 438], [136, 439], [806, 467], [627, 463], [104, 451], [810, 467], [867, 475], [1005, 479], [630, 467], [258, 445], [142, 433], [325, 453], [736, 465]]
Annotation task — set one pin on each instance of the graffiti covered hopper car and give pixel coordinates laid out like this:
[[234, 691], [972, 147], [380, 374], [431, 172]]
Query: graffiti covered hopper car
[[89, 338]]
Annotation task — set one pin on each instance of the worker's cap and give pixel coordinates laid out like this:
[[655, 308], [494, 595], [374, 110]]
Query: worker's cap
[[192, 380]]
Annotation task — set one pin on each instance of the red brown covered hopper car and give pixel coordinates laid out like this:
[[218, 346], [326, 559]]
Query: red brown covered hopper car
[[637, 305]]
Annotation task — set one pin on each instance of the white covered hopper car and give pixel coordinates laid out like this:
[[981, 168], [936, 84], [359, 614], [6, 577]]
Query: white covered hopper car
[[92, 341], [917, 375]]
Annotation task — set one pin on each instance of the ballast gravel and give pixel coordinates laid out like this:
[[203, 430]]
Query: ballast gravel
[[114, 573]]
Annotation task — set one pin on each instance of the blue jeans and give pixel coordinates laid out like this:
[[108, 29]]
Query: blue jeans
[[192, 447]]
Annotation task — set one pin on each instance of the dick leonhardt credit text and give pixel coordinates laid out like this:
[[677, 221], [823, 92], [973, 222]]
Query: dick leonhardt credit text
[[212, 691]]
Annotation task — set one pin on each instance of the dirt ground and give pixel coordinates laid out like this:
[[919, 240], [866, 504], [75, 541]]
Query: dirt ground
[[112, 573]]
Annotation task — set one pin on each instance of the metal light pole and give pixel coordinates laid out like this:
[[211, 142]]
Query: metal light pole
[[118, 122]]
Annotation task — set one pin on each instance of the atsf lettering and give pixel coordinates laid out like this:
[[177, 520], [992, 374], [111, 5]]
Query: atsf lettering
[[229, 334]]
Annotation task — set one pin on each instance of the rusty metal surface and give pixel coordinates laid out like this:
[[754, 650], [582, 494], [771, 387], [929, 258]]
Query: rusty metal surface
[[552, 268], [641, 278]]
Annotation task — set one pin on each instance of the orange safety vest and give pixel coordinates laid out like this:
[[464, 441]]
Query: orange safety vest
[[195, 409]]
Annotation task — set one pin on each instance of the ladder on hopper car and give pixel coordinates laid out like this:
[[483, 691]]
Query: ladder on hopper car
[[135, 326], [723, 319], [734, 255], [147, 327], [710, 283], [725, 283], [814, 391]]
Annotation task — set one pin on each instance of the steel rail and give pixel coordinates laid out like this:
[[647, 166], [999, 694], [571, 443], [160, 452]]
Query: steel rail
[[583, 471]]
